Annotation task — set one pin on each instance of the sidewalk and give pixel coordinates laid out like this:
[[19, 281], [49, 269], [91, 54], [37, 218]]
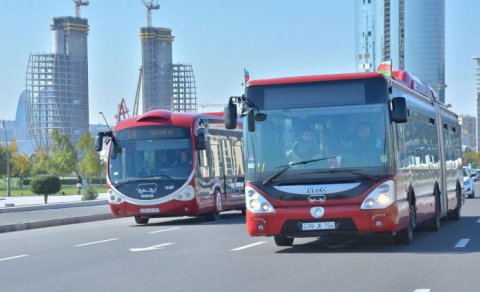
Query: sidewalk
[[21, 213]]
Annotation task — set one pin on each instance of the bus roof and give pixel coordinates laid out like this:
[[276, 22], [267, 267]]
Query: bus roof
[[162, 117], [315, 78]]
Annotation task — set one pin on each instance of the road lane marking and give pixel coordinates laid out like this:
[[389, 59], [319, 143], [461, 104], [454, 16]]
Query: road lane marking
[[462, 242], [96, 242], [248, 246], [15, 257], [163, 230], [421, 290], [155, 247]]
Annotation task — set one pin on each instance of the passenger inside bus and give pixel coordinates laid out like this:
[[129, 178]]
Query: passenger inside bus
[[182, 159], [306, 147], [366, 149]]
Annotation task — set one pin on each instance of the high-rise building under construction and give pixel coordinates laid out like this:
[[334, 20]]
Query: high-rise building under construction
[[165, 85], [157, 68], [57, 83]]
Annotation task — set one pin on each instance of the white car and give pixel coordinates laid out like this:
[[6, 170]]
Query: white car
[[468, 183]]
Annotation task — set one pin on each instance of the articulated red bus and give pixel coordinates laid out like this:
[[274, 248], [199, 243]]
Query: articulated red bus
[[171, 164], [347, 153]]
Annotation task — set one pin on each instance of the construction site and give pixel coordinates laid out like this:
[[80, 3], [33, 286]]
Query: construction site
[[57, 82]]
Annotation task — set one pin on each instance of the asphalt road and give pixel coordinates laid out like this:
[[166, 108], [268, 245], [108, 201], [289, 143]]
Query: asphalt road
[[189, 254]]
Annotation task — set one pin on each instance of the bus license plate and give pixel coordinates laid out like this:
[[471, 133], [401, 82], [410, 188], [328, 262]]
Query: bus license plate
[[318, 226], [149, 210]]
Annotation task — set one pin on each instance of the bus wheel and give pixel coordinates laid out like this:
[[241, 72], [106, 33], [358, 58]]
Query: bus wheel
[[281, 240], [405, 236], [456, 213], [434, 223], [215, 215], [141, 220]]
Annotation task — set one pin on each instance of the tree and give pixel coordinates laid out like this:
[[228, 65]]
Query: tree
[[469, 157], [45, 185], [39, 162], [20, 164], [63, 156], [90, 163]]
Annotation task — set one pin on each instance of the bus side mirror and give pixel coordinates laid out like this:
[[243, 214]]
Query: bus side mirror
[[251, 121], [230, 115], [200, 143], [399, 110], [99, 141]]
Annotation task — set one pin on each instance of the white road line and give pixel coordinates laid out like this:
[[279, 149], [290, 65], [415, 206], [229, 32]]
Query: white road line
[[462, 242], [421, 290], [15, 257], [248, 246], [155, 247], [95, 242], [163, 230]]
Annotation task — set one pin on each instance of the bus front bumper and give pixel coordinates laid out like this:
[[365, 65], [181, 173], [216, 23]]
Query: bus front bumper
[[298, 221]]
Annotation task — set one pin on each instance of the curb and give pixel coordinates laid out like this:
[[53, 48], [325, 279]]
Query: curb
[[53, 206], [54, 222]]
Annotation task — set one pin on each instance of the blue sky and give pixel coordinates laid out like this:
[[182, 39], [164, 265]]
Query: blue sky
[[218, 37]]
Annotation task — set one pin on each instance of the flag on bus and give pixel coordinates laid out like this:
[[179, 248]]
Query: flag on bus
[[246, 75], [385, 68]]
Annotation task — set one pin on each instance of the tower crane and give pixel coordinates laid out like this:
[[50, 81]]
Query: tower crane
[[137, 95], [150, 6], [79, 3]]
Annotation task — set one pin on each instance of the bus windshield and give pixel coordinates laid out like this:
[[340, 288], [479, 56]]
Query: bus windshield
[[337, 139], [150, 153]]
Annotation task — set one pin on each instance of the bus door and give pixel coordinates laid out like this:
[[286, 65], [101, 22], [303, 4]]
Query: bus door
[[204, 174], [443, 170]]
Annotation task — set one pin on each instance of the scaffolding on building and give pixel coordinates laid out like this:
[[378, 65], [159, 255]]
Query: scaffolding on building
[[184, 98], [57, 87]]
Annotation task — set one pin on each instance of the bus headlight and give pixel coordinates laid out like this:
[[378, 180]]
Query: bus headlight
[[187, 194], [114, 197], [381, 197], [256, 203]]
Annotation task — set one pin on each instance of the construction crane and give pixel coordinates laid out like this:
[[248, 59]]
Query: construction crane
[[150, 6], [122, 111], [137, 95], [79, 3]]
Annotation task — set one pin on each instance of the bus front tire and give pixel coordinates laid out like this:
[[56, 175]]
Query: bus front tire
[[141, 220], [281, 240], [405, 236]]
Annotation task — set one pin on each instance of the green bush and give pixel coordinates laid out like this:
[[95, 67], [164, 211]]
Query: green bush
[[45, 185], [73, 181], [90, 194]]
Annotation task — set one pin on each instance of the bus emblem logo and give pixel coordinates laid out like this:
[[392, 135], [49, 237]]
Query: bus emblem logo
[[317, 198], [317, 212], [144, 189]]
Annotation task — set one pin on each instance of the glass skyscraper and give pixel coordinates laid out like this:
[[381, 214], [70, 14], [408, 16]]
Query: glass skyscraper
[[409, 33]]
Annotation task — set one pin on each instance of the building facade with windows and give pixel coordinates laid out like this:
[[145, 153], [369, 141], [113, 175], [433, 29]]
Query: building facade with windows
[[410, 34], [57, 84]]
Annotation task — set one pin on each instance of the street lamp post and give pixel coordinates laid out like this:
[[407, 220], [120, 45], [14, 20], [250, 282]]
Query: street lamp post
[[8, 159]]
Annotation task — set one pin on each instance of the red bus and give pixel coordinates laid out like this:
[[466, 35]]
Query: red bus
[[347, 153], [163, 163]]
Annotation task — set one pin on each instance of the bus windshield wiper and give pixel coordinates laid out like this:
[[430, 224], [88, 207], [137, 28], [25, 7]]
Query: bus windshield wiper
[[289, 165]]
